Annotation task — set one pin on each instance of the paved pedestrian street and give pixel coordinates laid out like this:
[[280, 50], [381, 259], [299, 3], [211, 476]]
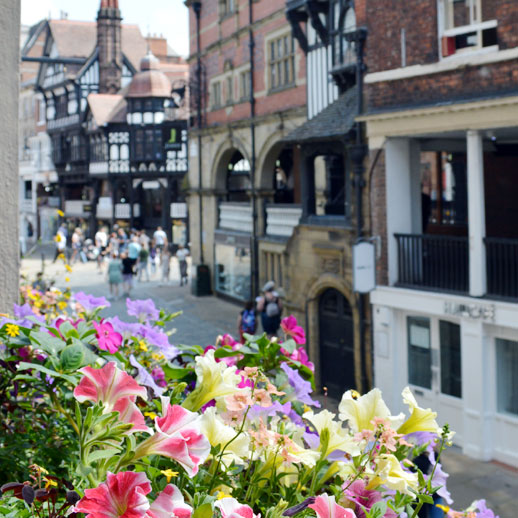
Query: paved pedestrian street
[[204, 318]]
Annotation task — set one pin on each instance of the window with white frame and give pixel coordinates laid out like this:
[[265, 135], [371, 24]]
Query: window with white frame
[[216, 95], [281, 62], [419, 352], [507, 376], [244, 85], [226, 7], [467, 25]]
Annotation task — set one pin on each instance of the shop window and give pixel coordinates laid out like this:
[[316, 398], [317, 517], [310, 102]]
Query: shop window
[[467, 25], [232, 274], [238, 178], [281, 62], [451, 377], [507, 376], [444, 193], [419, 352]]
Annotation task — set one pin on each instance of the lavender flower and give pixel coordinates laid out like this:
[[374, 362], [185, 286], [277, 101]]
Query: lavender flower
[[124, 328], [145, 378], [160, 340], [302, 388], [89, 302], [144, 310]]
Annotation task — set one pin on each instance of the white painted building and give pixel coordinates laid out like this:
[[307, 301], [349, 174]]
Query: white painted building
[[446, 320]]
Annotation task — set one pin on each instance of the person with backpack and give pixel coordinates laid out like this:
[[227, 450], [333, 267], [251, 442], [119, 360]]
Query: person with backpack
[[247, 321], [269, 305]]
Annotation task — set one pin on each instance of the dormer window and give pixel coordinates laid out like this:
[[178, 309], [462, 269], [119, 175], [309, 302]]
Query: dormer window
[[467, 25]]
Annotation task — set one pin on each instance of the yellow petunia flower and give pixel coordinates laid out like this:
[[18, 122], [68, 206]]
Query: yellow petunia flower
[[12, 330], [169, 474]]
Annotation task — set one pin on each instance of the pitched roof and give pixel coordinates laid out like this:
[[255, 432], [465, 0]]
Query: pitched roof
[[107, 108], [332, 122], [79, 39]]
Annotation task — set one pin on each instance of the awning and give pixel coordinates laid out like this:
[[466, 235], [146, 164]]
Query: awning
[[332, 123]]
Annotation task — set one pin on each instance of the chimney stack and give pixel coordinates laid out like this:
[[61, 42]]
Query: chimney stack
[[110, 47]]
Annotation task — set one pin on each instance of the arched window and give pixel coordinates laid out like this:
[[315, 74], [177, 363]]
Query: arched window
[[343, 23], [238, 178], [283, 178]]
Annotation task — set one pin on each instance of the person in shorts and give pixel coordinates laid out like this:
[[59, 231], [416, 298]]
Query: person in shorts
[[114, 275], [127, 273], [181, 255]]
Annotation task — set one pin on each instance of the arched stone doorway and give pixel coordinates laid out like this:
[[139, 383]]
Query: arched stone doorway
[[336, 339]]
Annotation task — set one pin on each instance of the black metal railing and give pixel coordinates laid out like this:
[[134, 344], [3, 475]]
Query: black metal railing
[[433, 262], [502, 267]]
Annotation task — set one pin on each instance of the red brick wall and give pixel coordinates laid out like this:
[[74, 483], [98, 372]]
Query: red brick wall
[[419, 19], [226, 40]]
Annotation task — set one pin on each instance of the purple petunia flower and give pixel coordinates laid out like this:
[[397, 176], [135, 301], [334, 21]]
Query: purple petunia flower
[[21, 312], [160, 340], [145, 378], [302, 388], [144, 310], [89, 302], [483, 511], [126, 329]]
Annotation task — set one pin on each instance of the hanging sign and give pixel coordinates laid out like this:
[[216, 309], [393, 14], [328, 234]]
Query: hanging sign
[[364, 267]]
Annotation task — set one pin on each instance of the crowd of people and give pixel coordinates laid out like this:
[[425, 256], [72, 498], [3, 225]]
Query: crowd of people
[[123, 255]]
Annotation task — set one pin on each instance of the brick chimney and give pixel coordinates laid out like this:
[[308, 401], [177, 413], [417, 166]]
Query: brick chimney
[[109, 45]]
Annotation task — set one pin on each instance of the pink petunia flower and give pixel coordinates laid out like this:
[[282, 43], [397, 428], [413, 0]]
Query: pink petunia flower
[[291, 329], [116, 390], [326, 507], [231, 508], [122, 495], [170, 503], [108, 339], [364, 499], [178, 437]]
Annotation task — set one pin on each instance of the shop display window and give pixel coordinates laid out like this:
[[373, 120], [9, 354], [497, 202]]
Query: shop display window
[[507, 376], [451, 377], [232, 273], [419, 352]]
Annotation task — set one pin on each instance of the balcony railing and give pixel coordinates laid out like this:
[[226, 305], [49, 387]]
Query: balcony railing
[[433, 262], [235, 216], [502, 267], [282, 219]]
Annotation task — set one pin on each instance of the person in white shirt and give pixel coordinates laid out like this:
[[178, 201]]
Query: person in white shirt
[[160, 238], [101, 242], [181, 255]]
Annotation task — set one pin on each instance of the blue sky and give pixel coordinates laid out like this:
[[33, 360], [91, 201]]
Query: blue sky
[[167, 17]]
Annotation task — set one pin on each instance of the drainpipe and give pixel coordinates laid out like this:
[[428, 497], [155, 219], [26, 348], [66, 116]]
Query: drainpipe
[[358, 154], [255, 251], [197, 11]]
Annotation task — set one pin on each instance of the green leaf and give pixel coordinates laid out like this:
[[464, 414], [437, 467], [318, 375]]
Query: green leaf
[[379, 509], [204, 511], [225, 352], [103, 454], [22, 366], [72, 356], [427, 499], [175, 373], [290, 345], [48, 343], [68, 330]]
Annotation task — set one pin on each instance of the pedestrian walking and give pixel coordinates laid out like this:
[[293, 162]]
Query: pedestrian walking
[[165, 261], [143, 239], [160, 238], [114, 274], [134, 249], [269, 305], [123, 239], [77, 241], [61, 242], [154, 258], [142, 265], [181, 254], [101, 243], [127, 273], [247, 321]]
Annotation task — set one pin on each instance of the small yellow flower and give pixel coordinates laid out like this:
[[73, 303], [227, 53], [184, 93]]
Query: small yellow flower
[[61, 256], [157, 356], [67, 279], [443, 508], [38, 303], [49, 482], [12, 330], [62, 305], [39, 469], [142, 346], [169, 474], [60, 213], [355, 394], [151, 415], [68, 268], [222, 495]]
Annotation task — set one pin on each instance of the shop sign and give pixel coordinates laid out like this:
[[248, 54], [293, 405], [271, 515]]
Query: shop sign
[[172, 139], [473, 311], [364, 267]]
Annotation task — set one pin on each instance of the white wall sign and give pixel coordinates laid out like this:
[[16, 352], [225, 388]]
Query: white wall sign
[[364, 267], [474, 311]]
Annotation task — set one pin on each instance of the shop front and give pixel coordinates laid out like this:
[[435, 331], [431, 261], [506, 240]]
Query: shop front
[[232, 273]]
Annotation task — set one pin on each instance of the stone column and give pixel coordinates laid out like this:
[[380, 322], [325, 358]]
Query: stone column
[[476, 215], [9, 229]]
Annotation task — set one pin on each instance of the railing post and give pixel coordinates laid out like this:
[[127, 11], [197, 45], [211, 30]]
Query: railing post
[[476, 215]]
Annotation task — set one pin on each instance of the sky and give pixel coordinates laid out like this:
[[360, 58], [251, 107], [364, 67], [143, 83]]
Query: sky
[[166, 17]]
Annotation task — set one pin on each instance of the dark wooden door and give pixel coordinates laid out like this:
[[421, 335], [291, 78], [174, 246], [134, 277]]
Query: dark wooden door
[[336, 343]]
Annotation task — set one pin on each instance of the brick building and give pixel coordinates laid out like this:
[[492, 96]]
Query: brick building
[[278, 200], [441, 120]]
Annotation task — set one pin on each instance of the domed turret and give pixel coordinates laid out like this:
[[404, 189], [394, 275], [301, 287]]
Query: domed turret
[[150, 81]]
